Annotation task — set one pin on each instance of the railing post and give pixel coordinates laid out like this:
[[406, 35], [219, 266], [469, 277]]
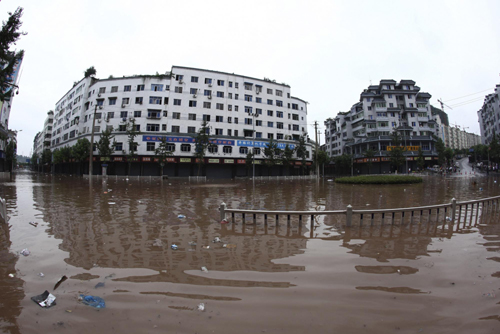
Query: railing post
[[453, 208], [222, 210], [348, 213]]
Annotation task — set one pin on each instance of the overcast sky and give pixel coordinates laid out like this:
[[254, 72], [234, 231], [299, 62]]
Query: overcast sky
[[327, 51]]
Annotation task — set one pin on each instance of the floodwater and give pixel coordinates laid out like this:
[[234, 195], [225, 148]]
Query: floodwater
[[112, 239]]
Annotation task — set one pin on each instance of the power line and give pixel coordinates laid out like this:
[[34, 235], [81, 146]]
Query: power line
[[456, 98], [459, 104]]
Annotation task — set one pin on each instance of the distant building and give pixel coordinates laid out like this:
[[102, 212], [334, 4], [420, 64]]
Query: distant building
[[244, 114], [382, 109], [489, 116], [43, 138]]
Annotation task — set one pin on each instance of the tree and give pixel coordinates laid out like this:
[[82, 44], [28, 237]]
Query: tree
[[287, 157], [10, 153], [132, 144], [396, 153], [343, 163], [9, 59], [369, 155], [202, 143], [271, 154], [301, 151], [440, 148], [494, 148], [80, 151], [105, 145], [61, 155], [46, 157], [163, 153], [448, 154], [420, 159], [91, 71]]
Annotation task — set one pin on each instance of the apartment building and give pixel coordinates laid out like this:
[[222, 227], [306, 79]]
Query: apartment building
[[243, 114], [489, 116], [369, 124]]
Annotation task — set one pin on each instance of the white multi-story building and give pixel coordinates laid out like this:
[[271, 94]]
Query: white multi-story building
[[489, 116], [382, 109], [42, 139], [242, 112]]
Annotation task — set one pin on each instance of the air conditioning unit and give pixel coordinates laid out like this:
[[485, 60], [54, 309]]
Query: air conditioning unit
[[124, 119], [99, 95], [194, 95], [98, 121], [123, 105], [257, 92], [181, 81], [209, 97], [131, 119], [209, 85]]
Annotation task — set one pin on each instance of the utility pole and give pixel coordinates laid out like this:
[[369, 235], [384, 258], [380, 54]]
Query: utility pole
[[316, 133], [91, 157]]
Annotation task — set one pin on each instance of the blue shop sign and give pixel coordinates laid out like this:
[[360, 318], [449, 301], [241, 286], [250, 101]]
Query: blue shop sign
[[263, 144]]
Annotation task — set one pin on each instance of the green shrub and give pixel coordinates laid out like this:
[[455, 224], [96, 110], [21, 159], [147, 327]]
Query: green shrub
[[380, 179]]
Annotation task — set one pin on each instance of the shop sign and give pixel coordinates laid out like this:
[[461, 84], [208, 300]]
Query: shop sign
[[213, 161], [229, 161], [184, 159], [240, 161], [117, 158]]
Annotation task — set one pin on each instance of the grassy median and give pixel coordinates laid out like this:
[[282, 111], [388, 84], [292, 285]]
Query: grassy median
[[380, 179]]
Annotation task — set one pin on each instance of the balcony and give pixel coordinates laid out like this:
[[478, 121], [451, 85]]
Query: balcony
[[154, 116]]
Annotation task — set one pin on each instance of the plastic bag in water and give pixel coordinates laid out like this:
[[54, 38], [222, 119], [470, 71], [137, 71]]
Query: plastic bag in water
[[93, 301]]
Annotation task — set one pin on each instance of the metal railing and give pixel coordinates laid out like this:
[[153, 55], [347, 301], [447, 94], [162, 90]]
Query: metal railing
[[448, 210], [3, 210]]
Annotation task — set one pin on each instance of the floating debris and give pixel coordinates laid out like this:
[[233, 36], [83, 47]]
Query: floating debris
[[224, 221], [216, 239], [99, 285], [448, 219], [174, 247], [158, 243], [201, 307], [46, 299], [62, 279], [204, 269], [25, 252], [11, 275], [33, 224], [192, 243], [93, 301], [181, 216]]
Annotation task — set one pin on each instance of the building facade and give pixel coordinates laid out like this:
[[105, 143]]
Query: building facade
[[489, 116], [243, 114], [369, 125]]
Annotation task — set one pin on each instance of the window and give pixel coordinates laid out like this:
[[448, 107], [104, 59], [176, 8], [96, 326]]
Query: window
[[176, 129], [206, 118], [152, 127], [393, 124], [269, 91], [165, 113], [270, 136], [194, 79], [243, 150], [118, 146], [114, 89], [207, 105], [220, 94], [111, 114], [270, 102], [176, 115], [177, 102], [207, 92], [125, 100], [258, 111], [410, 96], [279, 92], [248, 98], [186, 147], [99, 103], [191, 129], [219, 106], [236, 85], [230, 119], [102, 90], [236, 108], [248, 86], [230, 84], [230, 107], [192, 117], [229, 95], [192, 104], [140, 88], [236, 120], [411, 105], [391, 105], [236, 96], [270, 124], [229, 132], [258, 122], [248, 121], [208, 81], [165, 100], [137, 113], [155, 114], [258, 89], [279, 125], [193, 91], [415, 124], [219, 119], [220, 82], [170, 147], [112, 101], [269, 113], [279, 103], [127, 88], [154, 100], [279, 114], [258, 99], [218, 132], [227, 149], [258, 135], [248, 109], [156, 87], [150, 146], [279, 136], [138, 100], [178, 89], [164, 127], [213, 149]]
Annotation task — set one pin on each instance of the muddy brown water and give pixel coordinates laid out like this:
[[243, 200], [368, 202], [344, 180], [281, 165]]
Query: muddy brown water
[[113, 239]]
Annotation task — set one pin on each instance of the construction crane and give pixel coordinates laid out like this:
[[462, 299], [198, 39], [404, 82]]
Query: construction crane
[[443, 104]]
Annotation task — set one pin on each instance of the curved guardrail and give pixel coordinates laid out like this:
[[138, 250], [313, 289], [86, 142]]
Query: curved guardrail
[[450, 209]]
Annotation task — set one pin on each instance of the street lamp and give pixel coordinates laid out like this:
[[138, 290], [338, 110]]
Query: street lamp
[[254, 115]]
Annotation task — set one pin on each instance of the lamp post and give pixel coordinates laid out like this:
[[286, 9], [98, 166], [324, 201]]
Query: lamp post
[[254, 116], [91, 155]]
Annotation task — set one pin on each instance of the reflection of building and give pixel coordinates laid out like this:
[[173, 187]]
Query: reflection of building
[[173, 107], [488, 115], [382, 109]]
